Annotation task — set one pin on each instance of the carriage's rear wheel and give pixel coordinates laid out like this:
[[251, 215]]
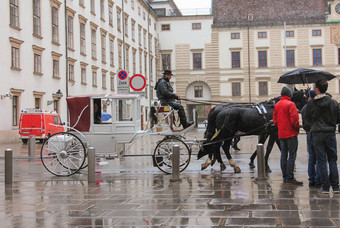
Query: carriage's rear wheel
[[164, 151], [63, 154]]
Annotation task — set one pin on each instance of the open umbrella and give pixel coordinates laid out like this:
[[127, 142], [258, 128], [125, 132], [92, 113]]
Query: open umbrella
[[106, 116], [304, 76]]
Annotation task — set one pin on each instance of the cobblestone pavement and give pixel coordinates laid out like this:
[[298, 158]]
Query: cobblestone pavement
[[130, 192]]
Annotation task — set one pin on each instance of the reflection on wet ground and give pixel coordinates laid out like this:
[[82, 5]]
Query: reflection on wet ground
[[130, 192]]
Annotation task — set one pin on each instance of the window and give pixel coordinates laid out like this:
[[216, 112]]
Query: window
[[70, 32], [83, 73], [36, 18], [290, 58], [56, 109], [102, 10], [104, 79], [133, 61], [120, 63], [112, 81], [289, 33], [140, 61], [94, 76], [316, 32], [93, 44], [317, 57], [71, 71], [15, 58], [126, 24], [262, 58], [133, 33], [198, 91], [263, 88], [197, 61], [15, 53], [92, 7], [235, 35], [111, 14], [144, 38], [119, 20], [235, 89], [15, 110], [196, 26], [235, 62], [140, 35], [145, 64], [55, 25], [14, 12], [81, 2], [55, 68], [132, 4], [37, 64], [37, 102], [103, 44], [166, 62], [338, 56], [82, 39], [111, 52], [262, 34], [125, 110], [127, 59], [166, 27], [160, 12]]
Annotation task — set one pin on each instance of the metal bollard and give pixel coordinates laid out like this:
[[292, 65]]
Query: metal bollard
[[261, 175], [91, 176], [8, 166], [31, 146], [175, 163]]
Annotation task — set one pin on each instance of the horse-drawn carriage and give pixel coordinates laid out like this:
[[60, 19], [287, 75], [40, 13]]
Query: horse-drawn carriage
[[108, 123]]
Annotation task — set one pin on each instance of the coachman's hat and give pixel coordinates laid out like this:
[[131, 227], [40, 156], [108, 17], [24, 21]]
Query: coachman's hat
[[167, 72]]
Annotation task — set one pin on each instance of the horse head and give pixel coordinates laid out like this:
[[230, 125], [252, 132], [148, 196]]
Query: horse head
[[299, 98]]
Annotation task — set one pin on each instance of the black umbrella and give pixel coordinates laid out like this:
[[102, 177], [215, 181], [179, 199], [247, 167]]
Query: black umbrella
[[304, 76]]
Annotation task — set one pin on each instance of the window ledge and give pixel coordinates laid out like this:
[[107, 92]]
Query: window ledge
[[38, 73], [84, 83], [95, 86], [55, 43], [37, 36], [15, 68], [70, 49], [83, 54], [15, 27], [56, 77]]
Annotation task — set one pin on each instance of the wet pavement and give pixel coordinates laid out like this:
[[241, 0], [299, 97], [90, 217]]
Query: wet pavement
[[130, 192]]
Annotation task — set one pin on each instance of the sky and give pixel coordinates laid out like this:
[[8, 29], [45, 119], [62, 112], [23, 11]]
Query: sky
[[191, 4]]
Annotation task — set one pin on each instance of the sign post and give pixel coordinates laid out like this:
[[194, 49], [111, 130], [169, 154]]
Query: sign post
[[122, 84]]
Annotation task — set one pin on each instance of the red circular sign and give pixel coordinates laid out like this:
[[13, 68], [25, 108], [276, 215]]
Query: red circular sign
[[122, 75], [137, 82]]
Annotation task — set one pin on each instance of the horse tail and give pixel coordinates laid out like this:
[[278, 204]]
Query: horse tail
[[211, 123]]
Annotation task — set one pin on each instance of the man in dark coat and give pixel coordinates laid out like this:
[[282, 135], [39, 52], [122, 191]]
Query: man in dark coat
[[323, 113], [166, 95]]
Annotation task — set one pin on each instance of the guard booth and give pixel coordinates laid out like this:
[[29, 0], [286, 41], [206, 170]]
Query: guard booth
[[106, 122]]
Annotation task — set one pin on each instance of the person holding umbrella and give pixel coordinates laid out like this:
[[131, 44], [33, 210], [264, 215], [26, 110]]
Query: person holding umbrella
[[324, 113], [313, 171]]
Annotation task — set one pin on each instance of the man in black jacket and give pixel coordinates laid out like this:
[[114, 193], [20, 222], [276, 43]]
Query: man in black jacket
[[323, 113], [166, 95]]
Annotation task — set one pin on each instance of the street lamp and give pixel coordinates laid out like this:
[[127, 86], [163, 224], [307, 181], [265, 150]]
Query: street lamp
[[57, 95]]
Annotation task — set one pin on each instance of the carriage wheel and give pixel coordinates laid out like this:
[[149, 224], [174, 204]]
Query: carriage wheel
[[63, 154], [163, 155]]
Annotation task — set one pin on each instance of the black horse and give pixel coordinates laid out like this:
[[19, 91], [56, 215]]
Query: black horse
[[249, 120]]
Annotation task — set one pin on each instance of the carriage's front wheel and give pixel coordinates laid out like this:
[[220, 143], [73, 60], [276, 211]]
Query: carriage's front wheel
[[63, 154], [163, 153]]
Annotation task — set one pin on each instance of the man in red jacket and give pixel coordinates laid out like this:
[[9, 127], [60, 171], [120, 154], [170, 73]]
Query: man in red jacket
[[286, 118]]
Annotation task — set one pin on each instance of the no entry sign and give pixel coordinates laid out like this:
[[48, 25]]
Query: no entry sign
[[137, 82]]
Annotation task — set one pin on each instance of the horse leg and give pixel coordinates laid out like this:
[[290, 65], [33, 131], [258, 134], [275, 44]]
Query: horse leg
[[262, 140], [269, 148], [236, 140], [207, 162], [226, 148]]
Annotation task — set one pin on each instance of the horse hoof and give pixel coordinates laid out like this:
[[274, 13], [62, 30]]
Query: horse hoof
[[236, 148], [213, 162], [251, 165], [223, 167], [237, 170], [203, 167]]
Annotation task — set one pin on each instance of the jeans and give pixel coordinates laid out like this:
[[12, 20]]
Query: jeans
[[313, 170], [326, 151], [288, 148], [177, 106]]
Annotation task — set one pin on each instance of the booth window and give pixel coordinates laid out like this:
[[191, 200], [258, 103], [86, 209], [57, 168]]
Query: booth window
[[102, 111], [125, 110]]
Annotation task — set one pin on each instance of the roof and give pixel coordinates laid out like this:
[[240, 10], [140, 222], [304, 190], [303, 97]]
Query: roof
[[265, 12]]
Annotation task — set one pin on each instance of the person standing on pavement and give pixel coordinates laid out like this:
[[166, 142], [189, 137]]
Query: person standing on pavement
[[313, 171], [323, 113], [166, 95], [286, 118]]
